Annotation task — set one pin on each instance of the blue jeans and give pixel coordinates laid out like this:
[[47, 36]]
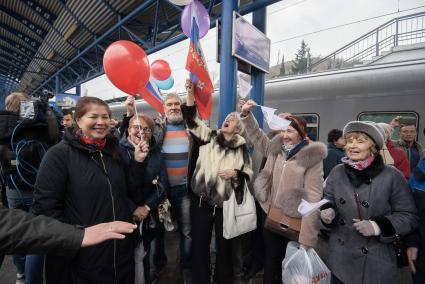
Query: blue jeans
[[180, 204], [30, 265]]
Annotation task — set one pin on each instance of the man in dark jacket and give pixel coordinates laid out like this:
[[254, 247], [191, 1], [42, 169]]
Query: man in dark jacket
[[416, 240], [21, 232], [336, 145], [414, 150]]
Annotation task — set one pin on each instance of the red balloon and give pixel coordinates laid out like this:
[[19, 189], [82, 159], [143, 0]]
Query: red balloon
[[126, 66], [160, 70]]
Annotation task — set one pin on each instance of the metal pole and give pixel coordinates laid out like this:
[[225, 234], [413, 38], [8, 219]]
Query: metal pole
[[227, 61], [78, 90], [258, 76], [396, 33], [57, 84]]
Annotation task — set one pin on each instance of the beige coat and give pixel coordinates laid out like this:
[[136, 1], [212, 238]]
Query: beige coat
[[299, 177]]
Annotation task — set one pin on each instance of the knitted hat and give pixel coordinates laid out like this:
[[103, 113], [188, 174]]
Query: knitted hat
[[299, 124], [369, 128]]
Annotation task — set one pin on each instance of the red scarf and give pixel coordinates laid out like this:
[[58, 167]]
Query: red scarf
[[97, 144]]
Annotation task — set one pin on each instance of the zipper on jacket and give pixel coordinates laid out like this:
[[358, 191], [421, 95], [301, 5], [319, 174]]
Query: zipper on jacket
[[113, 213]]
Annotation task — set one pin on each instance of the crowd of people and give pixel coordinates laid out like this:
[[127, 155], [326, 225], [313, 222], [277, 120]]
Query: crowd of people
[[174, 172]]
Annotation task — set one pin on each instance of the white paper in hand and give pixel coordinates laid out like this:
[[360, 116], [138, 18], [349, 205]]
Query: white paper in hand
[[306, 208], [275, 122], [244, 87]]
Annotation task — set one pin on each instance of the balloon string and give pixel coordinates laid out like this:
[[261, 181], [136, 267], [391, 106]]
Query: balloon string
[[138, 120]]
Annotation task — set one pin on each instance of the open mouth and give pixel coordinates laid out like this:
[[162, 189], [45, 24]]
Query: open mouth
[[226, 124]]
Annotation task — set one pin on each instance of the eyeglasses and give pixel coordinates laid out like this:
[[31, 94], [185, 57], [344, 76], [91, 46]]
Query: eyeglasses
[[141, 129]]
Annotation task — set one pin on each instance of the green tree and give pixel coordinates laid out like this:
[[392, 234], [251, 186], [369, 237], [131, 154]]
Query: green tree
[[302, 61], [282, 66]]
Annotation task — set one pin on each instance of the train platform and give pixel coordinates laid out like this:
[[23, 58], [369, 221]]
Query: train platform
[[170, 274]]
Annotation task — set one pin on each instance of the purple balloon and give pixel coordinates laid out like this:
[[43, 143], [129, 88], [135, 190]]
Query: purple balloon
[[203, 19]]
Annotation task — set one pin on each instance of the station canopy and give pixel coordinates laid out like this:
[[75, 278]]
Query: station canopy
[[50, 42]]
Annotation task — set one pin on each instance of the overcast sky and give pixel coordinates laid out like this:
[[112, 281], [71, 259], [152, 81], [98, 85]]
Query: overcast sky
[[288, 22]]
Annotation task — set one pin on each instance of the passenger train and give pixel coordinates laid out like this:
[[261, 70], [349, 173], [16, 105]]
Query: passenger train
[[330, 99]]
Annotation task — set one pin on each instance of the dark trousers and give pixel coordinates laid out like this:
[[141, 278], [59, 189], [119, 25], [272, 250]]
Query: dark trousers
[[204, 217], [275, 249], [256, 249]]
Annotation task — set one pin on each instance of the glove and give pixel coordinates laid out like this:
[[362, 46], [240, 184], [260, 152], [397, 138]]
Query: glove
[[366, 227], [327, 215]]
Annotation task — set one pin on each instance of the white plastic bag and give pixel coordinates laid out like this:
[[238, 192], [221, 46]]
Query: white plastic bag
[[303, 267], [139, 254], [241, 218]]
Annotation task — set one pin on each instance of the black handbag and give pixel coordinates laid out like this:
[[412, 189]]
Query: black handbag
[[400, 251]]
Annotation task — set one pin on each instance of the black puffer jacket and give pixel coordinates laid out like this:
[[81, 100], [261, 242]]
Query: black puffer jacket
[[84, 187]]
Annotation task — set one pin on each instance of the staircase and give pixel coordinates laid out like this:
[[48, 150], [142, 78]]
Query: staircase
[[406, 33]]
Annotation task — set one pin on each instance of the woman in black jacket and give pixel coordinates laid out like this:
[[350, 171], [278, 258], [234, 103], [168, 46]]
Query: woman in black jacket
[[83, 181], [154, 181]]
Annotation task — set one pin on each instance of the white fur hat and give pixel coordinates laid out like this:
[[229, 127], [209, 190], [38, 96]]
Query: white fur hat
[[369, 128]]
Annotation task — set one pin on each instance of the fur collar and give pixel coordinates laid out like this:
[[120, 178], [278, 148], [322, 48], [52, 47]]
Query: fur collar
[[309, 155], [357, 178], [234, 143]]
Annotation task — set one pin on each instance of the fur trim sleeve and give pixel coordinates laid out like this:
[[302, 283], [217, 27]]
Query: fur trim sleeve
[[255, 135], [313, 186], [189, 115], [196, 126]]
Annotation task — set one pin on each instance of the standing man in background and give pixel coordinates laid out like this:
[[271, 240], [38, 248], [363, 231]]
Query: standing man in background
[[336, 145], [414, 150], [171, 132]]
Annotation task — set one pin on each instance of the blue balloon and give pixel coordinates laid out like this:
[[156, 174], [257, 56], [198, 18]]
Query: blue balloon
[[165, 84]]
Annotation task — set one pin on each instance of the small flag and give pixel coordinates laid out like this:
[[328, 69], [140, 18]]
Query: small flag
[[152, 96]]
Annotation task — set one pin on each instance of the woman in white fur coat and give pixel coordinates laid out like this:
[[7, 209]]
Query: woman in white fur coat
[[295, 166], [223, 166]]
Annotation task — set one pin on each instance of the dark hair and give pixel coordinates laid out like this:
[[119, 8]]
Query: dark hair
[[299, 124], [82, 108], [67, 111], [334, 135], [84, 103], [406, 125]]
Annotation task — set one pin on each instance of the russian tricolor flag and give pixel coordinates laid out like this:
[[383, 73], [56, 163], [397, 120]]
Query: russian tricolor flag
[[152, 95]]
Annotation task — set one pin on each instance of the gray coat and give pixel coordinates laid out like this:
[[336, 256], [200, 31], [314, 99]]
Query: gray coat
[[384, 198]]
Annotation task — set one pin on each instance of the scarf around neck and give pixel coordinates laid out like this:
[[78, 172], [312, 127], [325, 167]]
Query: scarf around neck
[[291, 150], [91, 143], [359, 165]]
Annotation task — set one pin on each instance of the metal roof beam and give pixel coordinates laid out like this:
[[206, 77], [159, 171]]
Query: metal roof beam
[[63, 4], [23, 59], [40, 31], [142, 7], [24, 37], [134, 37], [111, 8], [50, 23], [48, 16], [156, 23], [18, 46]]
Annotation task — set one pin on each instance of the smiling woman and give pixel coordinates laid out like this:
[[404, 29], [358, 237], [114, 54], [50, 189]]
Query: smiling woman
[[370, 206], [83, 181]]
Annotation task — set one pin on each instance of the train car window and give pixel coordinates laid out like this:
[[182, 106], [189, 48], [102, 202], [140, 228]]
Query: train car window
[[406, 117], [312, 120]]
